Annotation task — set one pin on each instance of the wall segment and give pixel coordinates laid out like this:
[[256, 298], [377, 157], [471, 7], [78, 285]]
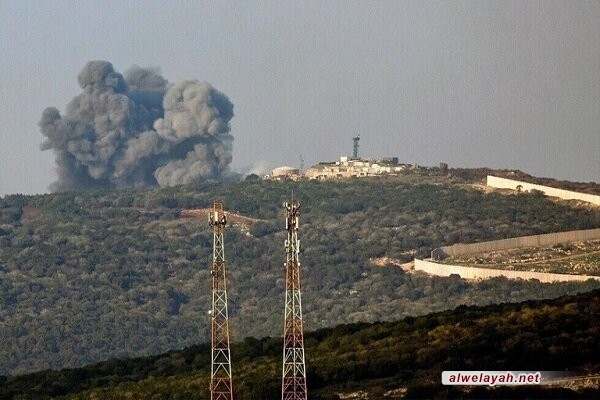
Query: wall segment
[[465, 272], [503, 183]]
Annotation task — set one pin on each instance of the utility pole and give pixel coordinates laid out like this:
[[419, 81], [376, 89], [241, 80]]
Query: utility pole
[[293, 382], [221, 387]]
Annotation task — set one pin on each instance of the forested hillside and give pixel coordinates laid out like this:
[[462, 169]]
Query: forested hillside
[[87, 276], [403, 357]]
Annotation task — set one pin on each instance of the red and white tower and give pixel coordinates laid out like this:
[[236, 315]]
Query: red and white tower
[[221, 387], [293, 382]]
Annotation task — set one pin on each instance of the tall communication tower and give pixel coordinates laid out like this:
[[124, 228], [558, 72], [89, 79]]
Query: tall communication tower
[[355, 147], [293, 383], [221, 387]]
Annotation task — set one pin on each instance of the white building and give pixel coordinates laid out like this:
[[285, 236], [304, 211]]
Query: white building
[[346, 168], [285, 172]]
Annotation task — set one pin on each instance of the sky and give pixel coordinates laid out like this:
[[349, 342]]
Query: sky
[[502, 84]]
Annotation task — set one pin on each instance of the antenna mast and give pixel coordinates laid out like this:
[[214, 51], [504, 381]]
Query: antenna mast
[[355, 147], [221, 387], [293, 383]]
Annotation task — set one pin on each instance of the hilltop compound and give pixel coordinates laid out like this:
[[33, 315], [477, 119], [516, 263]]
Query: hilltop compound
[[349, 168]]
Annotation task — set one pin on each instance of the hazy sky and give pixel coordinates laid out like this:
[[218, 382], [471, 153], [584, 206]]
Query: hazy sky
[[508, 84]]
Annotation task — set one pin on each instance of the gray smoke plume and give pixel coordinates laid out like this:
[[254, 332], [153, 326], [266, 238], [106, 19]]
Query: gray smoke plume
[[137, 130]]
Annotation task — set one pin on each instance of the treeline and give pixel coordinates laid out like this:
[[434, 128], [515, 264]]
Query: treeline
[[86, 276], [558, 335]]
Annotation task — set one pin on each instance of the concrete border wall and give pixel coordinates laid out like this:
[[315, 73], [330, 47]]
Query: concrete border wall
[[547, 239], [503, 183], [486, 273]]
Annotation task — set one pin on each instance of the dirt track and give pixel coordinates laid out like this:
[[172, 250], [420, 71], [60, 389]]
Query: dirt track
[[232, 217]]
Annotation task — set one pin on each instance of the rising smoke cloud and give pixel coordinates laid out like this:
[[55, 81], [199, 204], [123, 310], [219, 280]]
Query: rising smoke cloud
[[138, 130]]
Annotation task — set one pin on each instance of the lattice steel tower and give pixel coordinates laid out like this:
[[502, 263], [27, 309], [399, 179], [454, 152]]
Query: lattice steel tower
[[355, 141], [293, 382], [221, 387]]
